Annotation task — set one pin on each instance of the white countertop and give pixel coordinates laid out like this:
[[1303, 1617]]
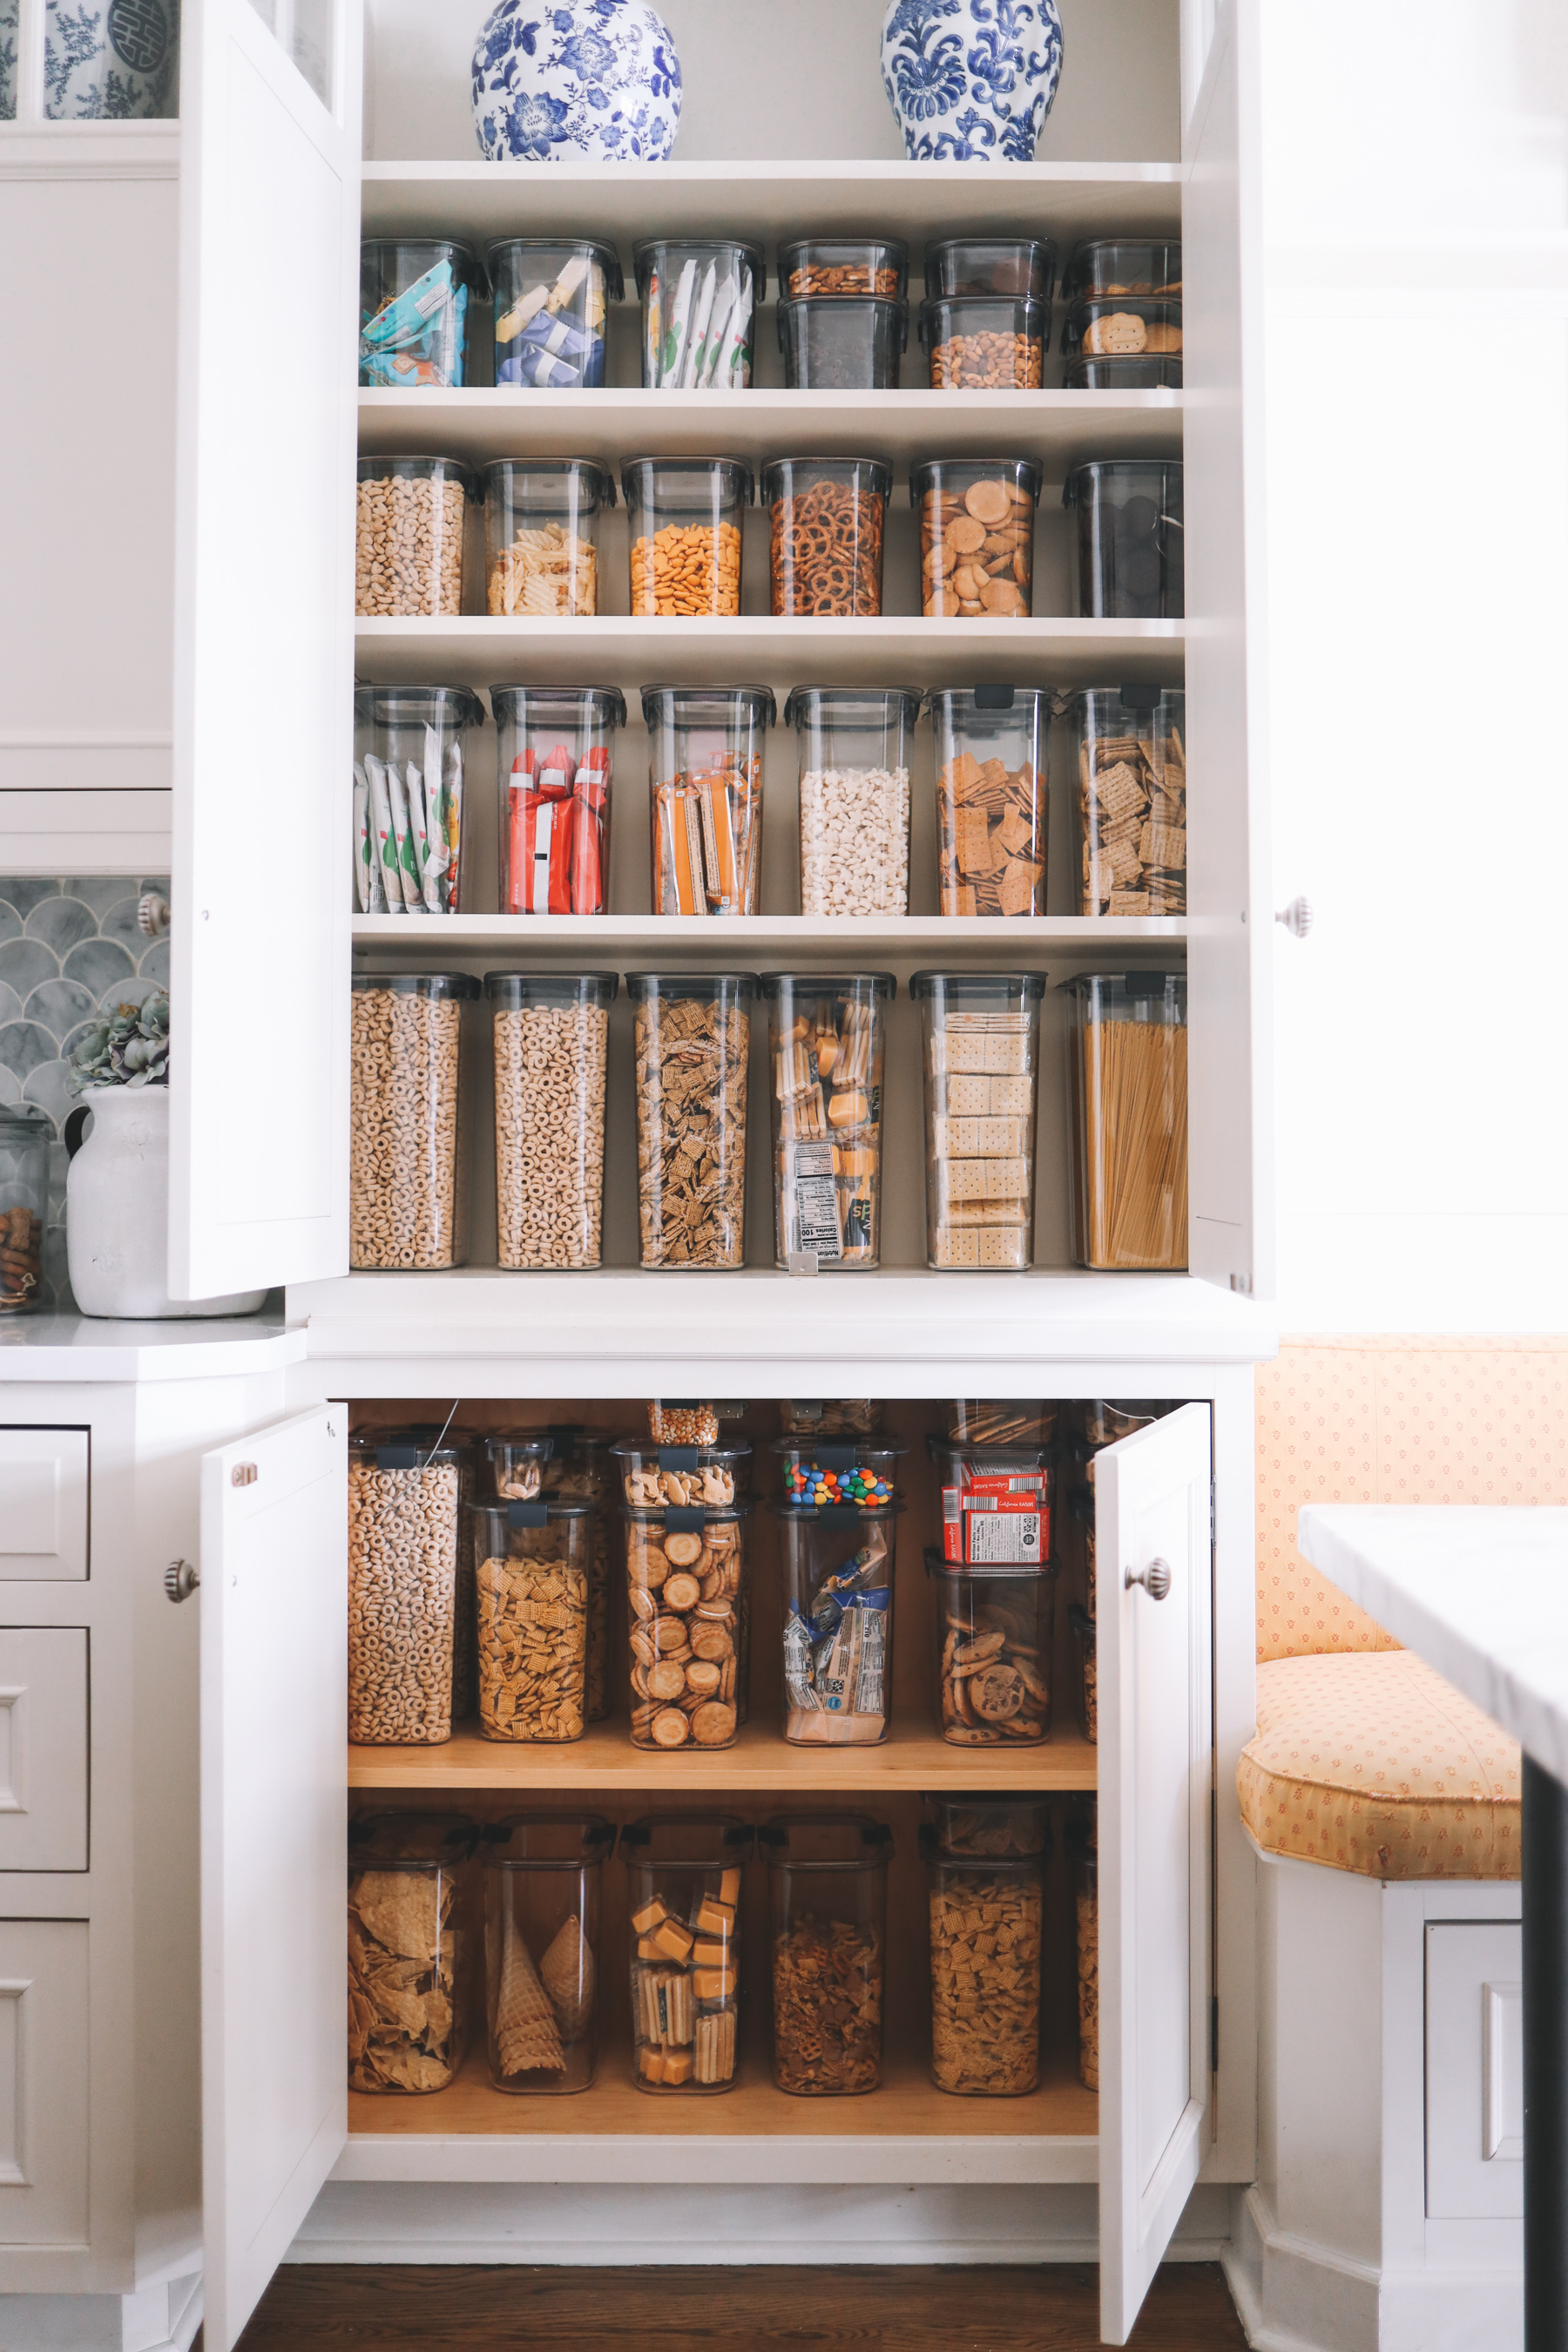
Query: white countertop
[[90, 1347], [1481, 1593]]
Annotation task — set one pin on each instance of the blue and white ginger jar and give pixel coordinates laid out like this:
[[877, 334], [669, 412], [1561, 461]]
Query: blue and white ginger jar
[[970, 80], [599, 79], [117, 61]]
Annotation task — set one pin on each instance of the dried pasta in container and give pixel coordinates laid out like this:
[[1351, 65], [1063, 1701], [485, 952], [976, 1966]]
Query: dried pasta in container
[[1127, 1115]]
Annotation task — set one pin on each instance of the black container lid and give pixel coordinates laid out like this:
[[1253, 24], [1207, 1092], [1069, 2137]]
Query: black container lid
[[840, 241], [829, 984], [1083, 263], [523, 704], [1031, 984], [410, 1841], [387, 706], [643, 987], [1094, 469], [704, 248], [828, 701], [984, 698], [546, 1840], [664, 702], [1027, 471], [514, 990], [501, 469], [1140, 701], [788, 1840], [596, 249], [419, 469], [467, 266], [741, 479], [462, 985]]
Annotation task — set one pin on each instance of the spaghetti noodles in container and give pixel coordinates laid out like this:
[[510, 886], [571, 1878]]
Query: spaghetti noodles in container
[[1127, 1117]]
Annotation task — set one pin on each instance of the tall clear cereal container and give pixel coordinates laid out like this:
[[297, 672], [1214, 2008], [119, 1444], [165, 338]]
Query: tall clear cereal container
[[1132, 800], [693, 1040], [531, 1582], [543, 1886], [705, 795], [981, 1032], [683, 1889], [653, 1476], [977, 536], [1127, 1118], [473, 1479], [541, 535], [993, 749], [827, 1042], [1083, 1844], [827, 519], [25, 1137], [811, 265], [836, 1566], [700, 302], [556, 755], [413, 304], [412, 1949], [410, 518], [551, 1037], [403, 1574], [688, 1619], [683, 527], [995, 1626], [991, 1828], [855, 744], [1130, 563], [410, 801], [551, 297], [985, 1934], [407, 1145], [827, 1885]]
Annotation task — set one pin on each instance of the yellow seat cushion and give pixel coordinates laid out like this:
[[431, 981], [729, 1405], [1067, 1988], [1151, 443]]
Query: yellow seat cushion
[[1370, 1761]]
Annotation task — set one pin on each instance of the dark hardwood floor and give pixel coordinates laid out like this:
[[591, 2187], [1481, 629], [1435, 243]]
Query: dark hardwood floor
[[312, 2308]]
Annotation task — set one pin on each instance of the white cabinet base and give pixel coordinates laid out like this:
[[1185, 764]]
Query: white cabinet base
[[158, 2319]]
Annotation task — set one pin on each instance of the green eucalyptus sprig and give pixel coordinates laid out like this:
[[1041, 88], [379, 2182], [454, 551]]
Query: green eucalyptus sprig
[[129, 1048]]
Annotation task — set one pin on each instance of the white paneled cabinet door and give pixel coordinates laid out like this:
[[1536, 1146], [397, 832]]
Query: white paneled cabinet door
[[264, 641], [1153, 1550], [274, 1714]]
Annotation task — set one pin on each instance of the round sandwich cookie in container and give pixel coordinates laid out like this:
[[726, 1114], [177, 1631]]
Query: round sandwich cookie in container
[[837, 1565], [688, 1616]]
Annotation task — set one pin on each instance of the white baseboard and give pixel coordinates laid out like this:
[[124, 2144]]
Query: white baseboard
[[156, 2319], [1293, 2296]]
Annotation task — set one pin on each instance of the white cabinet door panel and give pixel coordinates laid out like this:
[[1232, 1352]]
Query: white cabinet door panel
[[43, 2083], [1475, 2071], [274, 1704], [42, 1506], [43, 1747], [1156, 1779]]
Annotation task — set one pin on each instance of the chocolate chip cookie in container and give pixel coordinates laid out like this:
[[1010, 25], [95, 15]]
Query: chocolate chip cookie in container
[[828, 1884], [531, 1583], [407, 1144], [683, 1877], [692, 1037], [993, 1628], [827, 1041], [985, 1933], [543, 1885], [837, 1573], [411, 1949], [688, 1622], [403, 1574]]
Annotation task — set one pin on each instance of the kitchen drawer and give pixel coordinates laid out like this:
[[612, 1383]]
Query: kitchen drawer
[[1475, 2071], [43, 1747], [43, 2083], [43, 1505]]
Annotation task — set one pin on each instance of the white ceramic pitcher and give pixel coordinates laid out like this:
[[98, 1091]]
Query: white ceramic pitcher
[[117, 1209]]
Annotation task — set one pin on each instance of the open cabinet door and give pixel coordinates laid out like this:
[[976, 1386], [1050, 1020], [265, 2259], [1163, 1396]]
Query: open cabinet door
[[1156, 1739], [269, 174], [274, 1711]]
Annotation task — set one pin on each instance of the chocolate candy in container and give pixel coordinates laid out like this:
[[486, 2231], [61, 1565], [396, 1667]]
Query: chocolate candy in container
[[556, 762], [653, 1476], [994, 1626], [413, 300], [1111, 265], [1022, 267], [986, 1936], [991, 1828], [1127, 1118], [826, 1039], [827, 1878], [843, 342], [1130, 547], [982, 1073], [25, 1136], [410, 799], [811, 267], [977, 536], [411, 1949], [992, 798], [984, 344], [683, 1885], [544, 1987], [705, 795], [1123, 375], [819, 1471], [683, 525], [541, 535], [837, 1565], [827, 517], [408, 1194], [854, 744], [689, 1620], [408, 547], [551, 297], [1132, 800], [700, 302]]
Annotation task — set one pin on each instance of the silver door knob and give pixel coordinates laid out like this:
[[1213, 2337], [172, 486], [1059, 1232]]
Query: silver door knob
[[1155, 1579], [181, 1579], [1297, 917]]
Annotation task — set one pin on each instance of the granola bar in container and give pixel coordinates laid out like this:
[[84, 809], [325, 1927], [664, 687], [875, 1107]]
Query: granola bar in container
[[687, 1624], [985, 1939], [683, 1876], [412, 747], [410, 1944], [828, 1883], [544, 2003], [700, 302]]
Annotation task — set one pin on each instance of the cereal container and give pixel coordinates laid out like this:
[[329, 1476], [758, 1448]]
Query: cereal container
[[531, 1582], [985, 1923], [693, 1040], [843, 342], [827, 516], [995, 1626], [556, 757], [411, 515], [683, 1887], [683, 527], [1127, 1118], [838, 1572], [826, 1041], [992, 798], [1132, 800], [1001, 1421], [812, 265], [551, 297], [551, 1032], [1130, 540], [473, 1479], [985, 343], [541, 536], [654, 1477], [820, 1471], [997, 1503], [828, 1416], [991, 1828], [827, 1885], [410, 798], [402, 1575], [705, 795], [544, 1882], [1022, 267], [981, 1069], [977, 536], [1083, 1845], [25, 1137], [699, 303], [687, 1624], [1117, 265], [1085, 1633], [1121, 327], [854, 745], [411, 1949], [413, 295], [407, 1147]]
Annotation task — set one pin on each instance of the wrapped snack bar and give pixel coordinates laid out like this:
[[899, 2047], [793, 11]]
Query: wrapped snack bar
[[556, 770], [837, 1565], [414, 313], [699, 303], [410, 799], [705, 795], [550, 297]]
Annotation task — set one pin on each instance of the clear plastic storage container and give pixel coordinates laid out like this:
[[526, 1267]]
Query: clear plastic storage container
[[693, 1041], [403, 1601], [993, 748], [977, 536], [411, 1949], [1083, 1844], [993, 1676], [699, 303], [1105, 1422], [427, 1438], [838, 1572], [843, 342], [683, 1887], [25, 1135], [1122, 265], [578, 1469], [556, 761], [515, 1466], [408, 1141], [1123, 327], [1022, 267], [824, 1471], [411, 513], [705, 795], [531, 1582], [414, 297], [996, 1502], [855, 748], [991, 1828], [689, 1624], [541, 536], [1084, 1636], [711, 1476], [683, 527], [686, 1420], [551, 296], [813, 266], [544, 1882], [827, 516], [1001, 1421], [410, 798], [828, 1884], [829, 1416], [1127, 1118], [1130, 558], [985, 343], [827, 1042], [1123, 375], [1132, 800], [550, 1035], [981, 1068], [986, 1935]]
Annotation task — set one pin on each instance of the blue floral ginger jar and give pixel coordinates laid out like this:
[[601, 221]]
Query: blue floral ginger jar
[[970, 80], [598, 79]]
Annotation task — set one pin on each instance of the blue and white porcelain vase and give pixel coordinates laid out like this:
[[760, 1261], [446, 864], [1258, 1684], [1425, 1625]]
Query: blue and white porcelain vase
[[115, 61], [970, 80], [598, 79]]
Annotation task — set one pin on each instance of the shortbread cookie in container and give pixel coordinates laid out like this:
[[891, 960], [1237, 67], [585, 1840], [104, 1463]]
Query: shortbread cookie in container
[[688, 1622], [683, 1876], [543, 1987]]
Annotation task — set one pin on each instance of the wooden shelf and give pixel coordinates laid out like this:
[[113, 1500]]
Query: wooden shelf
[[969, 938]]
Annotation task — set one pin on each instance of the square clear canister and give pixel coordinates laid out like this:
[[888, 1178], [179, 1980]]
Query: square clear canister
[[705, 795], [828, 1884], [531, 1583], [827, 521], [407, 1144], [699, 303], [689, 1614], [1131, 801], [693, 1040], [856, 745], [683, 1876], [556, 760], [837, 1566], [977, 536], [1127, 1118], [995, 1626], [543, 1885], [550, 297], [992, 798], [826, 1043], [541, 535], [413, 304], [403, 1601], [684, 517], [410, 798], [411, 513], [986, 1919], [981, 1034], [412, 1949]]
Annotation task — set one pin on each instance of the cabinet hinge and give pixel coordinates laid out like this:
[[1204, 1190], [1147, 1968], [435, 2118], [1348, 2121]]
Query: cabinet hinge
[[1212, 1510], [1214, 2033]]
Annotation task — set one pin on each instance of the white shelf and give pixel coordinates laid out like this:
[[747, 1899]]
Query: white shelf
[[994, 937]]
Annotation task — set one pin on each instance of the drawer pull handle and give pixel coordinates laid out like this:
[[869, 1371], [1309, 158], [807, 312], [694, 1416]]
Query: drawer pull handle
[[181, 1579], [244, 1474], [1155, 1579]]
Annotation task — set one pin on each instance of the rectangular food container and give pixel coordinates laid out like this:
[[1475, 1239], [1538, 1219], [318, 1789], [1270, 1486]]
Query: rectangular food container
[[832, 1417], [551, 297], [414, 302], [826, 1045], [827, 1885], [855, 751], [996, 1502], [403, 1580], [991, 1828], [411, 1949], [818, 1471], [813, 265], [981, 1037], [683, 529], [993, 1628], [700, 302], [1132, 800], [838, 1569], [410, 798], [986, 1936], [543, 1884], [1084, 1636], [531, 1582], [987, 342], [408, 1141], [1083, 1845], [711, 1476], [688, 1602], [993, 752], [977, 536], [1123, 327], [1123, 375], [843, 342], [827, 517], [541, 536], [1130, 547], [578, 1468], [27, 1137], [1020, 267], [1001, 1421], [683, 1888], [705, 795], [693, 1039], [410, 516], [556, 769], [1122, 265], [550, 1041], [1127, 1118]]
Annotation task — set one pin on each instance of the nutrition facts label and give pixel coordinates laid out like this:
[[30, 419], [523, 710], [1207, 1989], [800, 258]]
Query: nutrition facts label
[[816, 1200]]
